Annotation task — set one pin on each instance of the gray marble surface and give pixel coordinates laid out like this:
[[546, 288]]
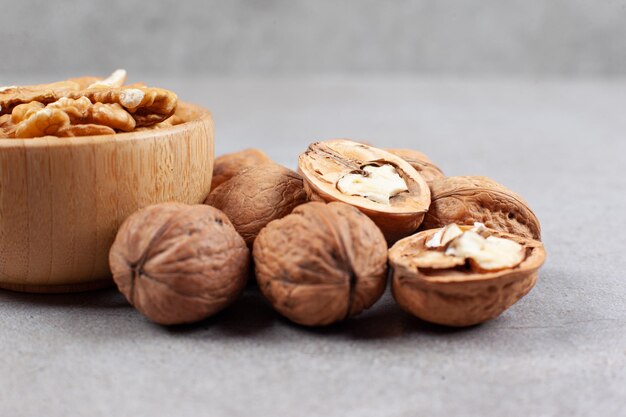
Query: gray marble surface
[[561, 351]]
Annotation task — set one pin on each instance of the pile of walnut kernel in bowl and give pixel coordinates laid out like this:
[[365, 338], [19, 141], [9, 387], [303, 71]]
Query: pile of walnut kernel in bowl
[[85, 106], [322, 242]]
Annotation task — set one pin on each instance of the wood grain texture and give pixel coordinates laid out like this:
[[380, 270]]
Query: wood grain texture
[[62, 200]]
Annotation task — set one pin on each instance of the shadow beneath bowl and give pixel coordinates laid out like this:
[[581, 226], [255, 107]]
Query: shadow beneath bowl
[[97, 299]]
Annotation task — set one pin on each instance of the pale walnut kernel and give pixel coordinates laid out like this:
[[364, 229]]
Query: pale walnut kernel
[[24, 111], [476, 245], [42, 123], [117, 79], [488, 255], [82, 118], [131, 98], [147, 105], [376, 183], [82, 111]]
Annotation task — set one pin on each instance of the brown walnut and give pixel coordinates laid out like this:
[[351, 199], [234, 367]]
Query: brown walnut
[[321, 264], [397, 211], [178, 263], [420, 162], [465, 200], [458, 295], [231, 164], [257, 196]]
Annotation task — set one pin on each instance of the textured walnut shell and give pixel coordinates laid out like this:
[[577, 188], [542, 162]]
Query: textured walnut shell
[[324, 163], [231, 164], [322, 263], [179, 264], [465, 200], [420, 162], [459, 297], [257, 196]]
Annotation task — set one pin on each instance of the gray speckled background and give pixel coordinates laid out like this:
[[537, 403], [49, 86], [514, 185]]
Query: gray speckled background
[[561, 37], [561, 351]]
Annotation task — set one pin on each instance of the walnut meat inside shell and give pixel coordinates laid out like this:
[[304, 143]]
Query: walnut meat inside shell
[[229, 165], [321, 264], [257, 196], [466, 200], [178, 263], [434, 287], [390, 191]]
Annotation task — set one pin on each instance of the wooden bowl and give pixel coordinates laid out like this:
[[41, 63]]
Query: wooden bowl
[[63, 199]]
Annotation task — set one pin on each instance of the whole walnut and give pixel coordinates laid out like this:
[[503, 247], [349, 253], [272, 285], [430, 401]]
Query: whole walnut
[[465, 200], [178, 263], [231, 164], [420, 162], [256, 196], [322, 263]]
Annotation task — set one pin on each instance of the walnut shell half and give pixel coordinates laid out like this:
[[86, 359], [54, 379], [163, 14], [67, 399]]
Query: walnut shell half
[[325, 164], [257, 196], [322, 263], [179, 264], [465, 200], [420, 162], [457, 296]]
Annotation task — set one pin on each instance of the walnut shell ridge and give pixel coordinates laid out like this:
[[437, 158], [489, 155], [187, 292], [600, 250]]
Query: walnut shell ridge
[[257, 196], [322, 263], [228, 165], [177, 263], [465, 200], [420, 162], [456, 297]]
